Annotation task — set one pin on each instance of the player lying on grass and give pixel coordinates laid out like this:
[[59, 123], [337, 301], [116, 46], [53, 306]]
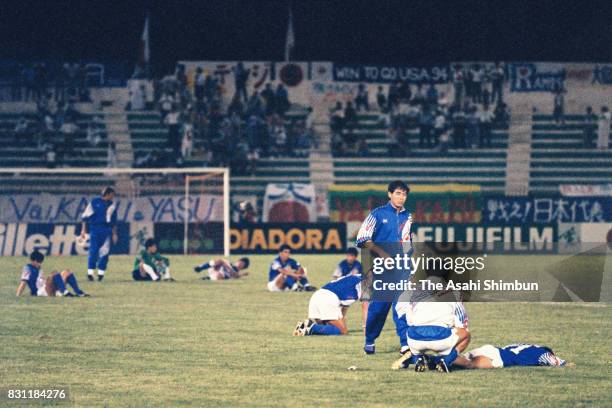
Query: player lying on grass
[[219, 269], [521, 354], [54, 285], [349, 266], [287, 274], [150, 265], [437, 332], [328, 306]]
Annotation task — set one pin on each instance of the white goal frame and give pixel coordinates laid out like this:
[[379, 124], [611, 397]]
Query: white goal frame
[[203, 172]]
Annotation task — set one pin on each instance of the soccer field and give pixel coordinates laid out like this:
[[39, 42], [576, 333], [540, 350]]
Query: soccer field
[[202, 343]]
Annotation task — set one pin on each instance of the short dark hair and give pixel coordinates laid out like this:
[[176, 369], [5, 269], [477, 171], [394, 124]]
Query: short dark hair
[[245, 262], [398, 184], [283, 247], [150, 242], [107, 191], [352, 251], [37, 256]]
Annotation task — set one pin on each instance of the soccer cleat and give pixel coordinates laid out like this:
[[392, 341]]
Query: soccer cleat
[[403, 350], [206, 278], [308, 326], [403, 362], [83, 294], [299, 329], [90, 277], [441, 367], [421, 364], [309, 288], [68, 294], [100, 277], [369, 349], [297, 287], [197, 269]]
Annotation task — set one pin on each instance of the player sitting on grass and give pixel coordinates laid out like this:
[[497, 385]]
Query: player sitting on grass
[[349, 266], [521, 354], [287, 274], [222, 269], [150, 265], [53, 285], [328, 306]]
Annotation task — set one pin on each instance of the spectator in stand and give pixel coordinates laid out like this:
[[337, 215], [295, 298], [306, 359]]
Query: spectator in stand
[[404, 90], [502, 115], [166, 103], [22, 133], [350, 123], [280, 140], [477, 73], [68, 129], [236, 107], [187, 142], [431, 97], [381, 99], [559, 108], [425, 128], [603, 129], [588, 130], [473, 126], [50, 156], [200, 81], [362, 147], [281, 99], [269, 99], [93, 135], [486, 120], [458, 84], [362, 99], [459, 124], [439, 126], [173, 121], [241, 76], [497, 81], [255, 105], [393, 95], [111, 155]]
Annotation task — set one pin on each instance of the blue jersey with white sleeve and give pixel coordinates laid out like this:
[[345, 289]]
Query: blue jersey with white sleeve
[[100, 215], [528, 355], [344, 268], [278, 264], [347, 288], [385, 224]]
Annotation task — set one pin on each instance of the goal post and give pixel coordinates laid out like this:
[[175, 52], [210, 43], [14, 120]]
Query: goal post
[[187, 210]]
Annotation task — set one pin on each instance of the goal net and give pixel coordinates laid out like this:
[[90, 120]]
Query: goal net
[[186, 210]]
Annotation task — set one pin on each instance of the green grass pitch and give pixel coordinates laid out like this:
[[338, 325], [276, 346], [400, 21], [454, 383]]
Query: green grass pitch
[[202, 343]]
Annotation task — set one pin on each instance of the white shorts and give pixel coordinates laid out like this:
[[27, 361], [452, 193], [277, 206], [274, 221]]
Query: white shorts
[[42, 291], [442, 347], [272, 286], [324, 305], [490, 352]]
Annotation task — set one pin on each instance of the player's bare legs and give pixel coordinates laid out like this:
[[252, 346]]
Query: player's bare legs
[[464, 339]]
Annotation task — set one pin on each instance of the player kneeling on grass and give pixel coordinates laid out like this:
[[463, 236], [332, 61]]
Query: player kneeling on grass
[[287, 274], [219, 269], [521, 354], [53, 285], [150, 265], [437, 332], [328, 306]]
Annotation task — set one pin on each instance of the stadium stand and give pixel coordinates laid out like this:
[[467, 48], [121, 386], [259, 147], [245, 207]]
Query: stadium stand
[[559, 155]]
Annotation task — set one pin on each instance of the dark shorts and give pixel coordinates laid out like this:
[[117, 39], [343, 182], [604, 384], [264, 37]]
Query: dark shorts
[[138, 277]]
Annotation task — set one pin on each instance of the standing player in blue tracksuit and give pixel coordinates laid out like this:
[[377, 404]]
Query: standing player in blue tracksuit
[[99, 220], [388, 224]]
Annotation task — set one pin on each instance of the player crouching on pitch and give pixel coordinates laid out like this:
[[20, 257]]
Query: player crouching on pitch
[[53, 285], [437, 332], [328, 306], [150, 265], [220, 269]]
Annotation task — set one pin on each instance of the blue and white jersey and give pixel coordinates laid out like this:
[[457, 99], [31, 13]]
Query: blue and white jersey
[[100, 215], [385, 224], [33, 276], [521, 354], [528, 355], [444, 314], [344, 268], [347, 288], [278, 264]]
